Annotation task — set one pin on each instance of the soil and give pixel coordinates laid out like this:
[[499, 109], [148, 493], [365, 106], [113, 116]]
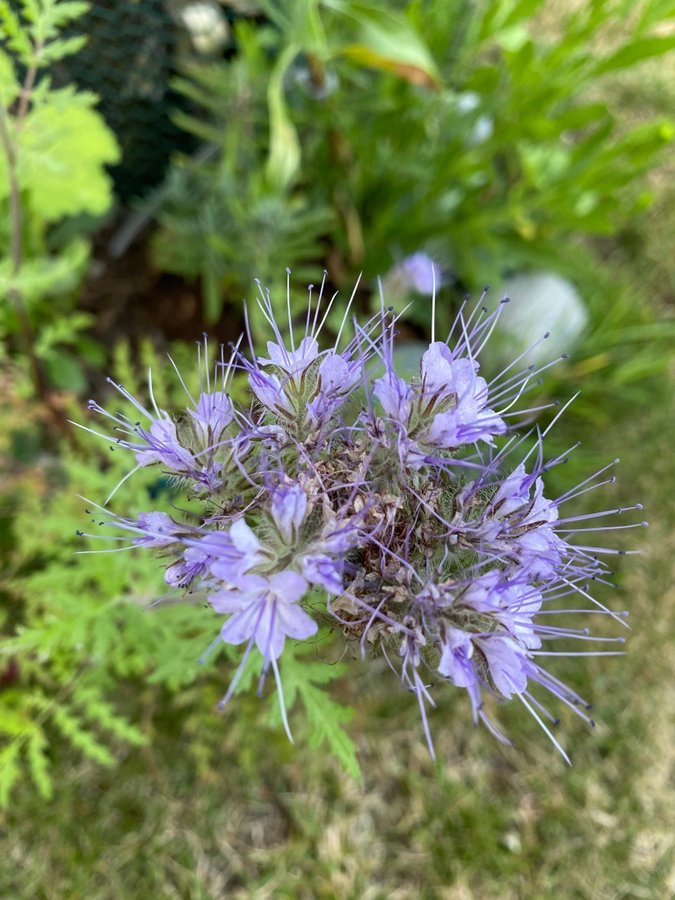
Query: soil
[[131, 300]]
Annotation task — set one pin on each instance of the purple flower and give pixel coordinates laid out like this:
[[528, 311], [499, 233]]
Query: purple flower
[[395, 396], [323, 571], [213, 413], [156, 529], [421, 531], [288, 504], [195, 448], [201, 552], [511, 603], [164, 448], [519, 527], [265, 610], [489, 634], [444, 411], [417, 270], [336, 380], [270, 392], [236, 553], [457, 398], [292, 362]]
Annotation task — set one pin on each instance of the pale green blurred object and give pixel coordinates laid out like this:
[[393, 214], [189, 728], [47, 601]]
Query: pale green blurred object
[[540, 302]]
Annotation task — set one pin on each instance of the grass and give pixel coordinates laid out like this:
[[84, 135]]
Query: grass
[[260, 818]]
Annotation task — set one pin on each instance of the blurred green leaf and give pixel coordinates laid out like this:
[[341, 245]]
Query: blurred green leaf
[[635, 52], [284, 148], [64, 371], [9, 85], [387, 40], [47, 276], [61, 151], [16, 36], [301, 679]]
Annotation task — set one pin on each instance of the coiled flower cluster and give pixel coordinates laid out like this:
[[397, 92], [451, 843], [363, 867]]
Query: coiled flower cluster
[[406, 513]]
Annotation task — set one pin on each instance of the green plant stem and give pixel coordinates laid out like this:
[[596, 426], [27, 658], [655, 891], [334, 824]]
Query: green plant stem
[[341, 155], [16, 244], [27, 88], [16, 249]]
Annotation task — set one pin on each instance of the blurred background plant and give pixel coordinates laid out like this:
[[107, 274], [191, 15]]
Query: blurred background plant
[[359, 135], [53, 186], [518, 143]]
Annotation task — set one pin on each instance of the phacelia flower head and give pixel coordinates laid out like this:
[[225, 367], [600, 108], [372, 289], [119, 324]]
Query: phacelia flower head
[[402, 513]]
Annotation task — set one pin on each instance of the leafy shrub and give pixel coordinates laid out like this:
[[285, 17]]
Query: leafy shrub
[[458, 128], [53, 150]]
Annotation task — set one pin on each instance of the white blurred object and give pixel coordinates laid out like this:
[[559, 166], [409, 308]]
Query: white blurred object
[[303, 78], [206, 25], [540, 302], [483, 126]]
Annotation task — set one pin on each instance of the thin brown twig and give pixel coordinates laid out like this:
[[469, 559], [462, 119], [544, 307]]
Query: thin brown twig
[[16, 241]]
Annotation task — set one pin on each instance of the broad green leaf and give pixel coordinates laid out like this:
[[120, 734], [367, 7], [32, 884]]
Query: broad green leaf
[[62, 150], [387, 40], [581, 116], [523, 9], [283, 160]]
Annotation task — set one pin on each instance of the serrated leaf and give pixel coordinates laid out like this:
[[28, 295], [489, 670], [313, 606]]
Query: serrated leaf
[[38, 764], [62, 150], [9, 86], [300, 678], [104, 715], [9, 771], [325, 719], [48, 275], [14, 33], [67, 10], [57, 50], [72, 728]]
